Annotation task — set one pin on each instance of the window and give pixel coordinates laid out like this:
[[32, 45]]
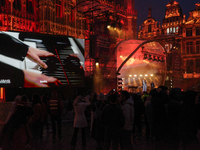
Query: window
[[189, 32], [17, 5], [197, 30], [167, 47], [2, 2], [167, 30], [149, 28], [189, 48], [171, 30], [58, 9], [176, 29], [190, 66], [197, 47], [198, 65], [29, 7]]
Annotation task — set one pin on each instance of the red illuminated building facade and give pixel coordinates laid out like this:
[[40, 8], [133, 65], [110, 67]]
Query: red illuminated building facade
[[181, 38], [92, 20]]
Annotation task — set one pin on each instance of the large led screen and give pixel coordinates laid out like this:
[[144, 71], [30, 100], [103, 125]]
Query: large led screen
[[40, 60]]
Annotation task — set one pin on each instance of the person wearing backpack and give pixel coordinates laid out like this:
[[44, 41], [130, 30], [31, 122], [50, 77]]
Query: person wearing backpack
[[96, 127]]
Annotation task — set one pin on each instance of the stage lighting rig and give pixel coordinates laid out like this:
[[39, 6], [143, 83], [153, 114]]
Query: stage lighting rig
[[145, 56], [150, 58]]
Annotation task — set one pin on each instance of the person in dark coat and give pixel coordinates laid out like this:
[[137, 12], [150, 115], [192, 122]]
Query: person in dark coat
[[113, 120], [16, 134], [55, 109], [188, 121]]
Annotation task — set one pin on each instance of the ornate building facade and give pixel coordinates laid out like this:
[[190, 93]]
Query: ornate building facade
[[82, 19], [180, 38]]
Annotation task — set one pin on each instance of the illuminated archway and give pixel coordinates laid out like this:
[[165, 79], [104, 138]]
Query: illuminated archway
[[141, 59]]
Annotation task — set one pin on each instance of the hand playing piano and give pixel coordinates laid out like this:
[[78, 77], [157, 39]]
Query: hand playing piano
[[32, 79], [34, 55]]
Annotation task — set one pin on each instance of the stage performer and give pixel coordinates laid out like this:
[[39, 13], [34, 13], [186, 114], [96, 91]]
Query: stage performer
[[144, 85]]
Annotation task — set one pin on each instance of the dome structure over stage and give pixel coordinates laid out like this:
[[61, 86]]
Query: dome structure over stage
[[138, 60]]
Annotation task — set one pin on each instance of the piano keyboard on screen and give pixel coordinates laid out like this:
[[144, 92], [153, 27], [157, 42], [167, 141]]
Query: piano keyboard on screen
[[68, 68]]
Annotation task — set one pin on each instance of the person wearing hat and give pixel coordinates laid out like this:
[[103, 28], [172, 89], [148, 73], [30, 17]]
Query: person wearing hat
[[96, 128]]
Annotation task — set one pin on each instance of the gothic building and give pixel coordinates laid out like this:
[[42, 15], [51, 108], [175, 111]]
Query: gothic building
[[180, 38], [19, 15], [150, 28], [84, 19]]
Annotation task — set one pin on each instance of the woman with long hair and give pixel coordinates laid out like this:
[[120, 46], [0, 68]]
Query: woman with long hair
[[16, 133], [80, 121]]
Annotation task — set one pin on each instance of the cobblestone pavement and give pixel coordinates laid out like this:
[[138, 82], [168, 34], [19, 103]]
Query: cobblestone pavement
[[67, 131]]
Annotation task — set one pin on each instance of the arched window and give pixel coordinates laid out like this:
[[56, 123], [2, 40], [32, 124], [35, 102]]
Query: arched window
[[149, 28], [2, 2], [58, 9], [168, 30], [176, 29], [29, 7], [17, 5]]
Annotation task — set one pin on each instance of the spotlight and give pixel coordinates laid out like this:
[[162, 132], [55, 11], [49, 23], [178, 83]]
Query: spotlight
[[135, 75], [97, 63], [145, 56], [150, 58], [158, 58], [154, 58], [108, 26]]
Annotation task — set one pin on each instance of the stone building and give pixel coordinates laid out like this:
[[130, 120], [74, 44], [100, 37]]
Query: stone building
[[180, 37], [82, 19]]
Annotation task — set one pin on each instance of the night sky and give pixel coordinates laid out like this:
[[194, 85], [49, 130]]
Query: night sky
[[158, 8]]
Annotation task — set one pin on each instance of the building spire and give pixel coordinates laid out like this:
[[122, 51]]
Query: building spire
[[149, 15]]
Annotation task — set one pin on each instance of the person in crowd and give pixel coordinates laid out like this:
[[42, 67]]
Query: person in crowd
[[152, 85], [188, 121], [55, 109], [24, 100], [174, 109], [159, 102], [14, 104], [16, 134], [80, 121], [88, 108], [97, 129], [138, 111], [128, 111], [93, 102], [37, 120], [149, 115], [45, 100], [112, 119]]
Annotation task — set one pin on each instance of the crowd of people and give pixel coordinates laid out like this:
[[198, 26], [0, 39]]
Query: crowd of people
[[170, 119]]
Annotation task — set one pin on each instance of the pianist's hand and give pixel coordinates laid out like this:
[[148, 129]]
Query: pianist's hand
[[34, 54], [32, 79]]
